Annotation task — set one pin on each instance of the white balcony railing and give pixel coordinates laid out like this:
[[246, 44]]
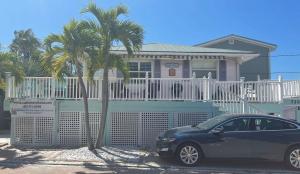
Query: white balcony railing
[[193, 89]]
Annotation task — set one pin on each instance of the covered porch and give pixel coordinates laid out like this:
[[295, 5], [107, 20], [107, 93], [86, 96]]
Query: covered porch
[[177, 61]]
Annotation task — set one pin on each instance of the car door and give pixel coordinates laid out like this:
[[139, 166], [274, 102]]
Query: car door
[[270, 137], [233, 142]]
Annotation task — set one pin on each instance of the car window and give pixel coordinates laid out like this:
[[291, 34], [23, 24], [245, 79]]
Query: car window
[[241, 124], [210, 123], [271, 124]]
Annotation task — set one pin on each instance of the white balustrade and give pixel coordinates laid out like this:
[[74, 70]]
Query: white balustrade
[[193, 89]]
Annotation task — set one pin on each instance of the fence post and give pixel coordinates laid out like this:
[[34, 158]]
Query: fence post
[[100, 88], [147, 86], [8, 85], [280, 89], [53, 87], [85, 81], [243, 93], [209, 84], [193, 86]]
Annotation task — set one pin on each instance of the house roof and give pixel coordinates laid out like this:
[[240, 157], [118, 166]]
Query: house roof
[[170, 48], [272, 47], [183, 52]]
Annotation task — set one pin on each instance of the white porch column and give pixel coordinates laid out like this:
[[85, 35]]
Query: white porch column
[[8, 85], [209, 86], [147, 86], [243, 93], [280, 89], [193, 87], [53, 88]]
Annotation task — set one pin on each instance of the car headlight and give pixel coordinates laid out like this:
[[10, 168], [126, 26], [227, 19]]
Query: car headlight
[[169, 139]]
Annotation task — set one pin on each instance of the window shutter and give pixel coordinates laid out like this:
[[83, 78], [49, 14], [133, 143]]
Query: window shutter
[[157, 69], [222, 70], [186, 69]]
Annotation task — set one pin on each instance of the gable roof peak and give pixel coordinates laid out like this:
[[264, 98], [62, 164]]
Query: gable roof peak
[[271, 47]]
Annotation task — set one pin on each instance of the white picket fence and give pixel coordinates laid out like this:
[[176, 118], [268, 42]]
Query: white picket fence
[[187, 89]]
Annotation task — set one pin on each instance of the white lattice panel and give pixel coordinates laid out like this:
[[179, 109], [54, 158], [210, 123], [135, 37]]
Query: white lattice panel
[[153, 123], [189, 118], [43, 130], [69, 128], [94, 120], [124, 128], [23, 130]]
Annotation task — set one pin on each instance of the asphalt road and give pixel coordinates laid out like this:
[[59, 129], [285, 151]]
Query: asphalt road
[[207, 167]]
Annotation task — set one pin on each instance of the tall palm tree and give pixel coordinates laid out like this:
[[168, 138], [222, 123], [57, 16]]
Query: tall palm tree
[[111, 29], [8, 63], [72, 48]]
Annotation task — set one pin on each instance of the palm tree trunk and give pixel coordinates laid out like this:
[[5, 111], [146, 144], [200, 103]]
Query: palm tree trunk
[[99, 142], [86, 112]]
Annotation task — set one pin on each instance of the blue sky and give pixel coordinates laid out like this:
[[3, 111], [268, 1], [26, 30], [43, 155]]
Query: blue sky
[[175, 21]]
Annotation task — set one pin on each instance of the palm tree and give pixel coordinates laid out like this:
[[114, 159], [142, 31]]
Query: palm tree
[[8, 63], [28, 49], [71, 49], [111, 30]]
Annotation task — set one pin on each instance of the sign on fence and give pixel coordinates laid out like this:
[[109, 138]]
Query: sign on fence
[[33, 108]]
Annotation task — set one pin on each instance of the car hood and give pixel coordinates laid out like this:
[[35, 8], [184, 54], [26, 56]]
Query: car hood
[[182, 130]]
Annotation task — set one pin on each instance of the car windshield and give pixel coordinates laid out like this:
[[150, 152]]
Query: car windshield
[[210, 123]]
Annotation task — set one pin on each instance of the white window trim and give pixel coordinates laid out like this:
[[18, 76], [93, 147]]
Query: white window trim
[[206, 69], [142, 60]]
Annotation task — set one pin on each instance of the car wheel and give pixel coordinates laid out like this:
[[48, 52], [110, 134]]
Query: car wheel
[[292, 157], [189, 154]]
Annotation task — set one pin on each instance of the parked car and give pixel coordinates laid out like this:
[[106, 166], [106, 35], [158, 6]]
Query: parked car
[[234, 136]]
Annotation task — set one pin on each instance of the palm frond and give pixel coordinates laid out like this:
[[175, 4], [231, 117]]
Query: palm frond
[[97, 12], [116, 61], [117, 11], [10, 63], [52, 39], [130, 34], [59, 65]]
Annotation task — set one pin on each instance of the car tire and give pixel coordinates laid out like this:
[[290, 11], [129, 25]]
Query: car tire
[[189, 154], [292, 158]]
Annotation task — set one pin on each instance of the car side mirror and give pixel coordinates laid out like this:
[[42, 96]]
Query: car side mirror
[[217, 130]]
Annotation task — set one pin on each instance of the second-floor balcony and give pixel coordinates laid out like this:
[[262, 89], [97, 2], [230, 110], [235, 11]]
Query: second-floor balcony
[[180, 89]]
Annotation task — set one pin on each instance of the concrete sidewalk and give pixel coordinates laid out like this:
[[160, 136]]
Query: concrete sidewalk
[[115, 160], [89, 168]]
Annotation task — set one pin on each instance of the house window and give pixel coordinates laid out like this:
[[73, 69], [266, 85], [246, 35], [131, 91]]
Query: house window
[[201, 68], [231, 41], [139, 69]]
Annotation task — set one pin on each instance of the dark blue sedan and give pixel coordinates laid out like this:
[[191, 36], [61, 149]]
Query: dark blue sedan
[[234, 136]]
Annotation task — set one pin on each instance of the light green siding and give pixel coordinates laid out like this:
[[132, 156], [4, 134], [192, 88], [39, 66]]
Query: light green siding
[[138, 106], [249, 70]]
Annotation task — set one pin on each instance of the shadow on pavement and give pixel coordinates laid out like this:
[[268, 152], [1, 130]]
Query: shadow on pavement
[[9, 155], [164, 166]]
